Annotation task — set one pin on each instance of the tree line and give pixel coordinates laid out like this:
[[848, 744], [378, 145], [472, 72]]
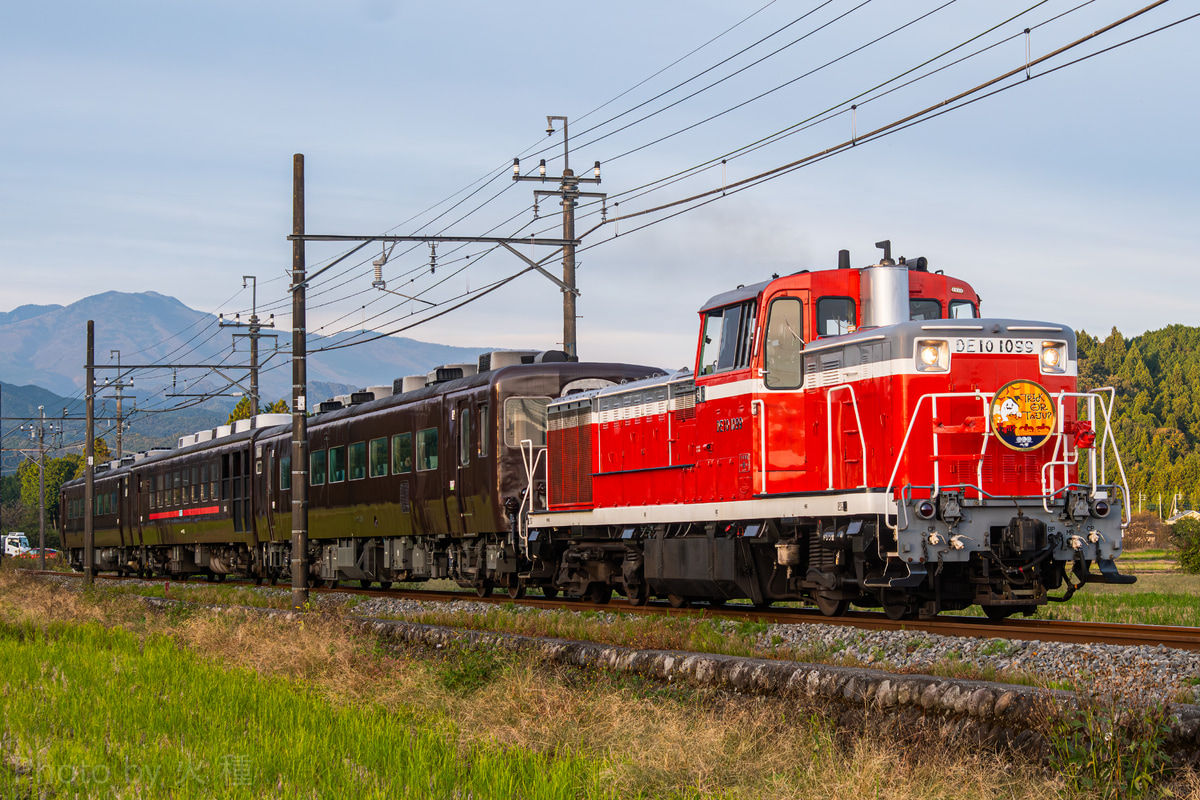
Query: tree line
[[1156, 377]]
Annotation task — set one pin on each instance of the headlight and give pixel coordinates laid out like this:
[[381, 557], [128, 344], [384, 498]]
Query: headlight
[[1053, 357], [933, 356]]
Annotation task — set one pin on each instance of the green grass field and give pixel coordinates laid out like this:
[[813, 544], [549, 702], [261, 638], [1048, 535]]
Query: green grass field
[[99, 712]]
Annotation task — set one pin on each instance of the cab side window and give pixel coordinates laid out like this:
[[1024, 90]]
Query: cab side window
[[728, 338], [783, 344]]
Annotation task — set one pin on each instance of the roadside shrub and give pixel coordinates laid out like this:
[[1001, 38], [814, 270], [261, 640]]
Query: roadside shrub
[[1185, 534]]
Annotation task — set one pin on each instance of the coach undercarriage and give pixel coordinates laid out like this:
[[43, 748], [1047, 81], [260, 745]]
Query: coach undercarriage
[[831, 563]]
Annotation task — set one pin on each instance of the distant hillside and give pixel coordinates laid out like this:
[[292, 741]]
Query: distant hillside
[[46, 346], [1157, 379]]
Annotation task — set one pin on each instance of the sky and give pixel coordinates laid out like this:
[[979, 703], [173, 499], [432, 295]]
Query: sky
[[147, 146]]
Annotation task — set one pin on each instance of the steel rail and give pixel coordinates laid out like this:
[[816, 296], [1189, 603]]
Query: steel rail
[[1046, 630]]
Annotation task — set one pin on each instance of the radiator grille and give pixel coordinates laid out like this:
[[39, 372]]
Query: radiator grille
[[569, 441]]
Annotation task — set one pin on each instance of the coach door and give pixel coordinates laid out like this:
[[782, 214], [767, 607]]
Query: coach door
[[779, 407]]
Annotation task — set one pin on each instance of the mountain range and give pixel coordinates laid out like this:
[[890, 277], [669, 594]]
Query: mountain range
[[43, 352], [47, 346]]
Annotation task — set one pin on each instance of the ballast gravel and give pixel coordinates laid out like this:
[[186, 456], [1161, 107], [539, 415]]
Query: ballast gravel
[[1132, 674]]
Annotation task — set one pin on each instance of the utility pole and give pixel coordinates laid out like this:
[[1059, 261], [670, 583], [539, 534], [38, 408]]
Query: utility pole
[[89, 455], [119, 385], [299, 396], [254, 326], [568, 191]]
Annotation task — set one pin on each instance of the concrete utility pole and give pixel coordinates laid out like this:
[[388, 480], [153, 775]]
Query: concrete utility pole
[[568, 190], [119, 385], [299, 565], [254, 326], [89, 454]]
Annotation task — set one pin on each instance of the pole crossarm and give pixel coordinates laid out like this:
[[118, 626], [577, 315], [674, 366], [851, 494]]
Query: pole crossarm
[[318, 237], [537, 265]]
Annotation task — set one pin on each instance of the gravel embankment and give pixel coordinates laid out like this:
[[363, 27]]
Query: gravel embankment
[[1133, 674]]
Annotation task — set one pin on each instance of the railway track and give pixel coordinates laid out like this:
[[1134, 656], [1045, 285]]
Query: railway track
[[1182, 638]]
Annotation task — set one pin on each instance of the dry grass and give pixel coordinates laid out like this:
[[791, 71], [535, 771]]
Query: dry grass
[[652, 740]]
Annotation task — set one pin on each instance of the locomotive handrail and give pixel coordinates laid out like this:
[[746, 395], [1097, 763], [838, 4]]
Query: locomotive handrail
[[1098, 477], [829, 432], [530, 461], [908, 435]]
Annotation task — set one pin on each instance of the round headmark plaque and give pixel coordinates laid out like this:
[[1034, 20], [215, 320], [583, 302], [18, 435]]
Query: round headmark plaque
[[1022, 415]]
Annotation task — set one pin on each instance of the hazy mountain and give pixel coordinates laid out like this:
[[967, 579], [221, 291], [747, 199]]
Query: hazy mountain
[[43, 353], [46, 346]]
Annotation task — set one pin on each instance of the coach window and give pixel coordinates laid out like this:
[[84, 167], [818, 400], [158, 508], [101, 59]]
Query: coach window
[[402, 453], [924, 308], [195, 484], [962, 309], [204, 483], [214, 482], [285, 473], [483, 430], [337, 464], [464, 435], [357, 458], [782, 357], [427, 449], [836, 316], [379, 457], [177, 498], [187, 488], [525, 418], [316, 467]]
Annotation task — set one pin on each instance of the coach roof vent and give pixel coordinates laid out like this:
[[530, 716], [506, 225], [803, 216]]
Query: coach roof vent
[[358, 398], [381, 391], [505, 358], [185, 441], [329, 405], [450, 372], [409, 383]]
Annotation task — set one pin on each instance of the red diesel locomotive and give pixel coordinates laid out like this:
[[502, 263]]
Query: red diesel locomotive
[[848, 436]]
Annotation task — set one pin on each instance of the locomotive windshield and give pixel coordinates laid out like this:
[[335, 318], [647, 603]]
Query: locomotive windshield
[[924, 308], [962, 309], [835, 316], [782, 359]]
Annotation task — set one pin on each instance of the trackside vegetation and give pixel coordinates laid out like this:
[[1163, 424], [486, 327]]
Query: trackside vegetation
[[101, 697]]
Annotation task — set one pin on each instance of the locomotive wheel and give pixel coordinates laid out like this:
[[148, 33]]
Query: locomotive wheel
[[676, 601], [830, 606], [484, 589], [600, 593], [637, 595], [997, 613], [221, 577], [897, 605]]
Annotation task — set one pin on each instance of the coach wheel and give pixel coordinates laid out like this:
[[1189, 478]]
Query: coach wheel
[[549, 592], [221, 577], [315, 582], [637, 595], [897, 605], [484, 588], [677, 601], [515, 586], [829, 605], [272, 578], [600, 593], [385, 585], [364, 584], [258, 580]]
